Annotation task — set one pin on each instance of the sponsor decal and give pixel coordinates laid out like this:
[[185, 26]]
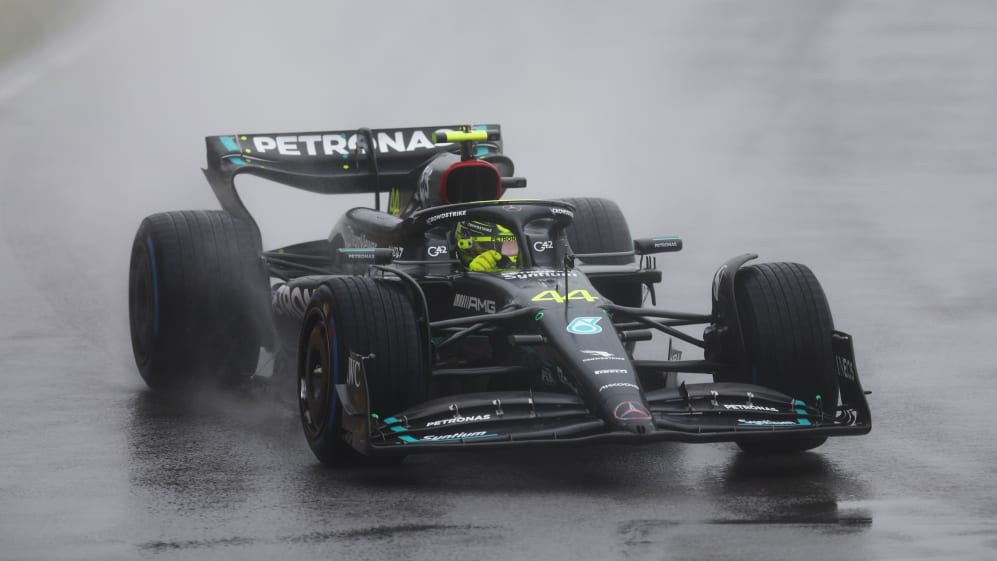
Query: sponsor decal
[[437, 250], [765, 423], [564, 211], [845, 368], [362, 241], [541, 247], [339, 144], [619, 385], [600, 355], [612, 371], [459, 420], [666, 243], [512, 208], [354, 369], [291, 301], [554, 296], [474, 303], [457, 435], [360, 256], [362, 253], [539, 274], [737, 407], [631, 411], [585, 326], [444, 215]]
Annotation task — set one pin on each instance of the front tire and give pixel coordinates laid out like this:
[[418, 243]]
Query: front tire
[[787, 326], [371, 318]]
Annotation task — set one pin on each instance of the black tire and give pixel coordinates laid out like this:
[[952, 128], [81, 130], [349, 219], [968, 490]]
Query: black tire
[[367, 317], [198, 300], [599, 227], [786, 323]]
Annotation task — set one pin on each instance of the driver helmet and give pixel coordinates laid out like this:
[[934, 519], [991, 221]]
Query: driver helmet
[[475, 238]]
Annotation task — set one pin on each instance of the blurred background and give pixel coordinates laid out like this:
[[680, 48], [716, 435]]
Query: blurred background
[[855, 137]]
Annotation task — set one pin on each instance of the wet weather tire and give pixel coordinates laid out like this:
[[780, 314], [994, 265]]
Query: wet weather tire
[[198, 300], [600, 227], [786, 323], [370, 318]]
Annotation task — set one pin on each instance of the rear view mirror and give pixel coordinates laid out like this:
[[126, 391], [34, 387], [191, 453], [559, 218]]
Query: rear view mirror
[[664, 244]]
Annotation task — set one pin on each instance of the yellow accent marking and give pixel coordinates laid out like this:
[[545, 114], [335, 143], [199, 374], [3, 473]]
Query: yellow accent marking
[[346, 166], [581, 294], [554, 296], [244, 137], [248, 151], [459, 136], [548, 295]]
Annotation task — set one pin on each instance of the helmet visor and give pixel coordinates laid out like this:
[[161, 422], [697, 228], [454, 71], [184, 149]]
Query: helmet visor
[[509, 248], [506, 245]]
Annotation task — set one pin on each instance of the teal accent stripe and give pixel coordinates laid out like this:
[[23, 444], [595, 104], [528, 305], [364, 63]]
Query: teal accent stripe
[[407, 438], [397, 428], [800, 403], [392, 420], [229, 143], [801, 412], [238, 161], [804, 422], [460, 438]]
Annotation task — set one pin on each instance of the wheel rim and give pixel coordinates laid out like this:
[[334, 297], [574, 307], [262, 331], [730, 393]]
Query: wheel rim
[[314, 383], [141, 305]]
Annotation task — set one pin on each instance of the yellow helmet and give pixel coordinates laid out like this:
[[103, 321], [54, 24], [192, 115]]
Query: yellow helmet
[[475, 238]]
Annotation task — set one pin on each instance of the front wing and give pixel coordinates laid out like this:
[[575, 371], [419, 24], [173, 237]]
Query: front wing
[[708, 412]]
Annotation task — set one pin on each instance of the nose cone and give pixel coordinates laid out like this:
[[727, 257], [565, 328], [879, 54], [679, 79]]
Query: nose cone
[[645, 427], [634, 417]]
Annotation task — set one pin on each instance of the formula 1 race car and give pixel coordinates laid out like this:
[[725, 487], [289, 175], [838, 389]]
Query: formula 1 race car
[[395, 347]]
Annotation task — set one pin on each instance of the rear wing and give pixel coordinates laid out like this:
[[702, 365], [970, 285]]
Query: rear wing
[[332, 162]]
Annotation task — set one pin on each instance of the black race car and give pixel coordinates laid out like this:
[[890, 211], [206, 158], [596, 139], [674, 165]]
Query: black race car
[[394, 347]]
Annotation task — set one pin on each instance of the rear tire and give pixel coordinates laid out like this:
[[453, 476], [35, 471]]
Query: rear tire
[[600, 227], [786, 323], [367, 317], [197, 298]]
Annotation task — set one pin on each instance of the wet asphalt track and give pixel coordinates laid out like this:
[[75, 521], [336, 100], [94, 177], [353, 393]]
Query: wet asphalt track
[[856, 137]]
